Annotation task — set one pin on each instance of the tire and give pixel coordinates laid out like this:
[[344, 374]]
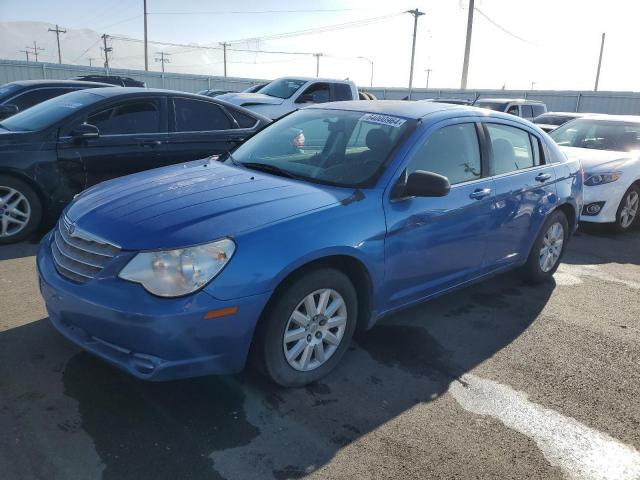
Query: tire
[[537, 270], [623, 222], [18, 202], [271, 350]]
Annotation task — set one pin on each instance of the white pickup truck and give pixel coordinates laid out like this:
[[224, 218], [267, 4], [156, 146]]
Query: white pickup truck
[[285, 95]]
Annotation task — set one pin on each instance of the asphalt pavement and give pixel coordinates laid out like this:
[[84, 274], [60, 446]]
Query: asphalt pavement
[[500, 380]]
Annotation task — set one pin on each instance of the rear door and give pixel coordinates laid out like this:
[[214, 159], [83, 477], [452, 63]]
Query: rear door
[[200, 128], [133, 138], [436, 243], [524, 190]]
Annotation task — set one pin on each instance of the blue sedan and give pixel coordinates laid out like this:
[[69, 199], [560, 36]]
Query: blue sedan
[[280, 250]]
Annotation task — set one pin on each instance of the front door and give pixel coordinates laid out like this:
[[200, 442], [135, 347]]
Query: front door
[[436, 243], [133, 138], [525, 190]]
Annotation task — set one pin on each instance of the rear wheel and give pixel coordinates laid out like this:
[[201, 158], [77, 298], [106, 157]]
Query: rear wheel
[[627, 214], [548, 248], [308, 328], [20, 210]]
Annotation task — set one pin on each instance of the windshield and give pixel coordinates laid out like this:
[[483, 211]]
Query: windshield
[[283, 88], [599, 135], [546, 119], [49, 112], [497, 106], [333, 147]]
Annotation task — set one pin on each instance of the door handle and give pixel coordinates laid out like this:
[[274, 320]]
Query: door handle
[[480, 193], [543, 177]]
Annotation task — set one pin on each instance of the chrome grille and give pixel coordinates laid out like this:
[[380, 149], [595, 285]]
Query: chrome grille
[[78, 255]]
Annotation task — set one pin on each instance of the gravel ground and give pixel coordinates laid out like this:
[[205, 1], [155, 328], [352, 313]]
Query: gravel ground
[[500, 380]]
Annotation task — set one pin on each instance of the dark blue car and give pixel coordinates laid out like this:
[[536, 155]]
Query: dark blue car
[[279, 252]]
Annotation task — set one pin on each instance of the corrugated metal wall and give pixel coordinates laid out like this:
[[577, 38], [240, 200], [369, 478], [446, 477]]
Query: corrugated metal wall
[[12, 70], [627, 103], [622, 103]]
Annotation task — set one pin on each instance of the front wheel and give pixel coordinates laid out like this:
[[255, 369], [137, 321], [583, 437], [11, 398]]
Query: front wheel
[[548, 248], [627, 213], [20, 210], [308, 328]]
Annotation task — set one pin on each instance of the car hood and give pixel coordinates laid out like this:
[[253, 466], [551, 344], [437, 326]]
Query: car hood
[[192, 203], [250, 99], [599, 159]]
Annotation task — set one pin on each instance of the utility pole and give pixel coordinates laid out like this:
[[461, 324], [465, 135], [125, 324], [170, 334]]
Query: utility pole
[[371, 62], [35, 49], [106, 51], [317, 55], [428, 70], [533, 84], [26, 52], [467, 46], [146, 57], [162, 59], [58, 31], [595, 88], [224, 56], [416, 13], [90, 60]]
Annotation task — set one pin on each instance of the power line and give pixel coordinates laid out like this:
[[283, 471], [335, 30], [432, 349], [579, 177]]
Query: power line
[[254, 12], [89, 48], [496, 24], [322, 29]]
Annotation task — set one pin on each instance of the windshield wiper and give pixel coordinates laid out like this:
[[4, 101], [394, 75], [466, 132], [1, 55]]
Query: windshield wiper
[[265, 167]]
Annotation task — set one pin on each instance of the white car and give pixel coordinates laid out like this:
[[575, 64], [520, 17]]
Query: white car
[[284, 95], [609, 148]]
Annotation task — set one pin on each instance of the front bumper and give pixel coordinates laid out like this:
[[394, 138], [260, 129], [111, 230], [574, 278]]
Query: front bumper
[[151, 338], [610, 194]]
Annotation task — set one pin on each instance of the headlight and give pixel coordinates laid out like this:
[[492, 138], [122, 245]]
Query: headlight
[[173, 273], [594, 179]]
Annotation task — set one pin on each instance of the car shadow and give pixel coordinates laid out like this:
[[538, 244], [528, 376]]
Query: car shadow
[[596, 244], [245, 427], [25, 248]]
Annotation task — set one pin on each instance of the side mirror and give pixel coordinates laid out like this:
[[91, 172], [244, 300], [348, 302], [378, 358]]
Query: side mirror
[[7, 110], [84, 131], [305, 98], [427, 184]]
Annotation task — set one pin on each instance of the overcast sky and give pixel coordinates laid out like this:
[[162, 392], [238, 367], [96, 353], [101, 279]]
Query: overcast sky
[[553, 43]]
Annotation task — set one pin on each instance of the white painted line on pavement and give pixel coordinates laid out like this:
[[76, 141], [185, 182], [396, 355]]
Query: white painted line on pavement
[[581, 452]]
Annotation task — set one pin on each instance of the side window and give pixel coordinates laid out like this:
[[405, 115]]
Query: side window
[[316, 93], [537, 110], [199, 116], [513, 110], [512, 150], [452, 151], [342, 91], [244, 120], [29, 99], [527, 111], [138, 116]]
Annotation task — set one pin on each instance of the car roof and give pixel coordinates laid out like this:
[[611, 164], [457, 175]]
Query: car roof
[[564, 114], [409, 109], [58, 83], [508, 100], [312, 79], [612, 118]]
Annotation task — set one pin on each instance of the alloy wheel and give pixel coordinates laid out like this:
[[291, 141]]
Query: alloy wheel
[[629, 209], [15, 211], [551, 247], [315, 329]]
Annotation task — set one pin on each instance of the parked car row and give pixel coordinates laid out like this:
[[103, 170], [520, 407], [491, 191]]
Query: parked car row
[[287, 236]]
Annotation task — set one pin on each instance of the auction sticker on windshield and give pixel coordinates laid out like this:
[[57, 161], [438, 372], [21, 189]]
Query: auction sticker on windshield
[[383, 119]]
